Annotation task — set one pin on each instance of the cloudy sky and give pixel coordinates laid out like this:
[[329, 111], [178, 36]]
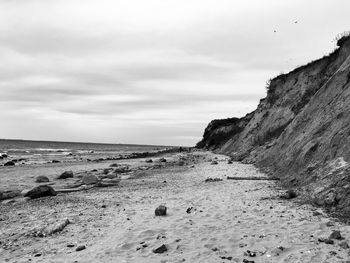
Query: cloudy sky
[[149, 71]]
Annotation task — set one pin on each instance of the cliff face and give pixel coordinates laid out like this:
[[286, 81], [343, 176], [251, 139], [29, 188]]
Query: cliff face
[[301, 131]]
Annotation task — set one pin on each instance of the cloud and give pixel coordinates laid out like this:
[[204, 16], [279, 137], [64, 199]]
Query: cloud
[[165, 68]]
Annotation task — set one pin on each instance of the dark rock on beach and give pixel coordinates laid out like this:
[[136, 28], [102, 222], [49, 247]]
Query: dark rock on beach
[[160, 210], [90, 179], [163, 248], [9, 163], [65, 175], [42, 179], [41, 191]]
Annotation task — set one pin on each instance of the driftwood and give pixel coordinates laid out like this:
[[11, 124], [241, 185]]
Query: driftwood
[[51, 229], [56, 228], [253, 178]]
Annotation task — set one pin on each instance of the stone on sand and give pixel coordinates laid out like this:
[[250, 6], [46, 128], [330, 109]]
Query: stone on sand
[[160, 210], [41, 191], [90, 179], [9, 163], [163, 248], [214, 163], [80, 248], [344, 245], [335, 235], [65, 175], [162, 160], [149, 161], [42, 179]]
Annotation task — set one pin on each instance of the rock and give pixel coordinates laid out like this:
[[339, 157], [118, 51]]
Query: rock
[[65, 175], [229, 162], [42, 179], [326, 240], [41, 191], [290, 194], [9, 163], [344, 245], [162, 160], [90, 179], [122, 169], [181, 163], [335, 235], [189, 210], [149, 161], [160, 210], [80, 248], [163, 248], [249, 253], [212, 180], [214, 163], [107, 170], [4, 155], [55, 161], [114, 165]]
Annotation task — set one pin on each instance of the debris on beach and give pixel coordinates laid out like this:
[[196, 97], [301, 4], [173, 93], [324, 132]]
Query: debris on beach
[[42, 179], [290, 194], [212, 180], [40, 191], [163, 248], [52, 229], [335, 235], [65, 175], [160, 210], [9, 163], [90, 179], [80, 248]]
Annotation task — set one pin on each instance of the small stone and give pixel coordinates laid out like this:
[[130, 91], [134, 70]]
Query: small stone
[[90, 179], [214, 163], [160, 210], [163, 248], [80, 248], [162, 160], [290, 194], [9, 163], [37, 255], [55, 161], [326, 240], [41, 191], [42, 179], [70, 245], [344, 245], [335, 235], [65, 175], [149, 161]]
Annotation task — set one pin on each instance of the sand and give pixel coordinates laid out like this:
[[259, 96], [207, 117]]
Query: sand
[[205, 222]]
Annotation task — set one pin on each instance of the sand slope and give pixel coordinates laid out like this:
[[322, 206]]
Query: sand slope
[[227, 219]]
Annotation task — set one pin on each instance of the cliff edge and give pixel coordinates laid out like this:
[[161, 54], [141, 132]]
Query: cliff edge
[[300, 132]]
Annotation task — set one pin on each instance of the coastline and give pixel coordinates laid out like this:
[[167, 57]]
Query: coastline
[[207, 221]]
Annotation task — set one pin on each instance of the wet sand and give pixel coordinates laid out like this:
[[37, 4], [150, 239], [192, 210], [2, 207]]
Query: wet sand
[[221, 221]]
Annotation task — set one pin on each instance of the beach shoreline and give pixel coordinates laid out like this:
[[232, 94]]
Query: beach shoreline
[[216, 220]]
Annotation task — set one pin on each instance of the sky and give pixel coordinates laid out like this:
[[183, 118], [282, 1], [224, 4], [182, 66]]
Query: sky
[[149, 71]]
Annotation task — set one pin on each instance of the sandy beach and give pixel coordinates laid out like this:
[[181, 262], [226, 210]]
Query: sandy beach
[[213, 221]]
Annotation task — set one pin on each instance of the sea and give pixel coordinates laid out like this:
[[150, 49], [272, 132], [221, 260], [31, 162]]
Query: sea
[[39, 152]]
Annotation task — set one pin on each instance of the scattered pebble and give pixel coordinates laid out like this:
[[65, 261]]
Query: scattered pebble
[[80, 248], [163, 248], [160, 210]]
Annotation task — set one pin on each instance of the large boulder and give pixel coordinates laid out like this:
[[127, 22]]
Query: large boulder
[[41, 191], [10, 163], [65, 175], [42, 179], [90, 179]]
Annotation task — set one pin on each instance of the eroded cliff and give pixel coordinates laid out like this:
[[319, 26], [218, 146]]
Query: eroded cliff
[[300, 132]]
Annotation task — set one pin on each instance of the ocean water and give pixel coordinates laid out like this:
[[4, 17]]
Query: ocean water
[[39, 152]]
